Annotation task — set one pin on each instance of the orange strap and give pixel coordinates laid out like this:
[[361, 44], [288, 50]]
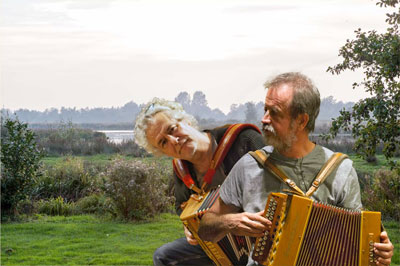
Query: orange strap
[[333, 162], [262, 157], [325, 171], [182, 171]]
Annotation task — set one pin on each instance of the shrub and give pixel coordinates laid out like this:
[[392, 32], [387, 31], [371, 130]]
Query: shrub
[[56, 206], [68, 139], [71, 179], [137, 189], [20, 160], [95, 204], [382, 193]]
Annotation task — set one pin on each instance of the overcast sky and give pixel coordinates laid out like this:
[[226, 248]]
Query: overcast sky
[[103, 53]]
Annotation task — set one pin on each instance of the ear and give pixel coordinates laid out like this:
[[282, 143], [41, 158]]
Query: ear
[[302, 120]]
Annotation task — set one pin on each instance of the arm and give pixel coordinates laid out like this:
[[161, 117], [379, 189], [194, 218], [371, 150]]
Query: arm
[[222, 219]]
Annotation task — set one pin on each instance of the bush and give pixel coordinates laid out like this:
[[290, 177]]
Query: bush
[[95, 204], [138, 190], [68, 139], [20, 160], [71, 179], [382, 193], [56, 206]]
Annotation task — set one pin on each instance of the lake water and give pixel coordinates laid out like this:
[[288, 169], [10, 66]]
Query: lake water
[[117, 136]]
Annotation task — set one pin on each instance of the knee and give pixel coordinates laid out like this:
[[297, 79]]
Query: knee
[[160, 256]]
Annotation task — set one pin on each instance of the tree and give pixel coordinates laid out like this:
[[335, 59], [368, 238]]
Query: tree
[[375, 120], [184, 99], [20, 162], [251, 113]]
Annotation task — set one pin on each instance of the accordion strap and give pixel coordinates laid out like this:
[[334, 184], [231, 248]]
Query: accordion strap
[[333, 162], [325, 171], [262, 157], [182, 171]]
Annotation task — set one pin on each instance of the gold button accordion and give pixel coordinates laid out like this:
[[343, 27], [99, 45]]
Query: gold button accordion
[[305, 232], [230, 250]]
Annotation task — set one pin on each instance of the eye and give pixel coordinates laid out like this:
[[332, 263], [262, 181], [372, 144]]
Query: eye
[[172, 128], [163, 142]]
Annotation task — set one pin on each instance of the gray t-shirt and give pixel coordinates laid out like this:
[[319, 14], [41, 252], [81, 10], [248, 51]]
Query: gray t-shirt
[[248, 184]]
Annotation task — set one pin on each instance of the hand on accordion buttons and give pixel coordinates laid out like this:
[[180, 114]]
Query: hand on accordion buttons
[[249, 224], [384, 250], [190, 238]]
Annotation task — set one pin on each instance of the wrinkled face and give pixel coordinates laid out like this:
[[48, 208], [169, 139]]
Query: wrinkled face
[[278, 126], [172, 138]]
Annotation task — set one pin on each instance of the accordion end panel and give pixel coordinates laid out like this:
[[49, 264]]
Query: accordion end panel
[[370, 233], [213, 250], [191, 217], [287, 232]]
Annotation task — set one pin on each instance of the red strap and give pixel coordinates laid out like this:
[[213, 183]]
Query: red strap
[[182, 171]]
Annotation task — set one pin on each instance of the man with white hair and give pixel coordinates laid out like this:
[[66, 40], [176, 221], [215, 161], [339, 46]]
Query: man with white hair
[[164, 128], [291, 108]]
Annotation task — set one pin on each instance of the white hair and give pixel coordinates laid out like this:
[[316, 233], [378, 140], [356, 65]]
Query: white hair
[[173, 110]]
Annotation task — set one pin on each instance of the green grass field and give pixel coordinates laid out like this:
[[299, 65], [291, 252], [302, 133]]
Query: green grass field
[[87, 240]]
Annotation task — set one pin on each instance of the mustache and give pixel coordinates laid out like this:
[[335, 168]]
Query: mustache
[[268, 128]]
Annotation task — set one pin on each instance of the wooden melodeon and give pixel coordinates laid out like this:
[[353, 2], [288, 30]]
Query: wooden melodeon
[[305, 232], [230, 250]]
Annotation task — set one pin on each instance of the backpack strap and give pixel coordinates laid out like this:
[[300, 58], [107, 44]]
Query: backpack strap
[[333, 162], [182, 171], [262, 157]]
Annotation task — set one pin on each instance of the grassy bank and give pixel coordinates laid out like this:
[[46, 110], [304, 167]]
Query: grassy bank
[[85, 240]]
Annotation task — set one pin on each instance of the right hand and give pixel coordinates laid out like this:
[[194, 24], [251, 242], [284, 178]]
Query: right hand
[[248, 224], [190, 238]]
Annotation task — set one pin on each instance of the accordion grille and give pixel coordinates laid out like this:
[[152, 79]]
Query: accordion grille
[[331, 237]]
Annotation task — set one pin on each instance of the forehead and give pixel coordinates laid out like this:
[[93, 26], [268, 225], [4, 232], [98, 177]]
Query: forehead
[[279, 97], [159, 123]]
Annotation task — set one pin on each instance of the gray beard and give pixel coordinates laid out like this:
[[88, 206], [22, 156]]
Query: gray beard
[[282, 144]]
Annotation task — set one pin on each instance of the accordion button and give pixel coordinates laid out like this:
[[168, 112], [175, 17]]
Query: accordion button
[[256, 254], [261, 253]]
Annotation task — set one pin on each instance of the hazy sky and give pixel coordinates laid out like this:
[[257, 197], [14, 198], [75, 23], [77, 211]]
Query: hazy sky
[[103, 53]]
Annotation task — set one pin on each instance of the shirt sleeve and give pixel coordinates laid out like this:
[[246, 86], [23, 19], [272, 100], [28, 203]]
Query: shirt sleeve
[[350, 196], [231, 192]]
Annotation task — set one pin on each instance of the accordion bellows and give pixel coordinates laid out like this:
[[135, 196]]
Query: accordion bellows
[[305, 232], [230, 250]]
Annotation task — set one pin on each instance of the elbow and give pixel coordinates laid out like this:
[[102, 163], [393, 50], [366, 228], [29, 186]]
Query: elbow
[[208, 233]]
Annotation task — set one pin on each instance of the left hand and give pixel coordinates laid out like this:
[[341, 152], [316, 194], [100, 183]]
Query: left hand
[[383, 250], [190, 238]]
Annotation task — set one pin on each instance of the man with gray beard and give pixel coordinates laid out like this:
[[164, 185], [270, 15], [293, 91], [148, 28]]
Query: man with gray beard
[[291, 108]]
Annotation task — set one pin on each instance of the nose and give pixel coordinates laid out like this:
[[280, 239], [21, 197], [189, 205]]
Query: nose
[[266, 118], [174, 140]]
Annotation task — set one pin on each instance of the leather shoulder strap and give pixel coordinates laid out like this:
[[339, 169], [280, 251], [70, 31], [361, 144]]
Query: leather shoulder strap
[[262, 157], [223, 147], [182, 171], [332, 163]]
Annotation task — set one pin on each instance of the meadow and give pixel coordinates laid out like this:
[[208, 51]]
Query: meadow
[[100, 240]]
